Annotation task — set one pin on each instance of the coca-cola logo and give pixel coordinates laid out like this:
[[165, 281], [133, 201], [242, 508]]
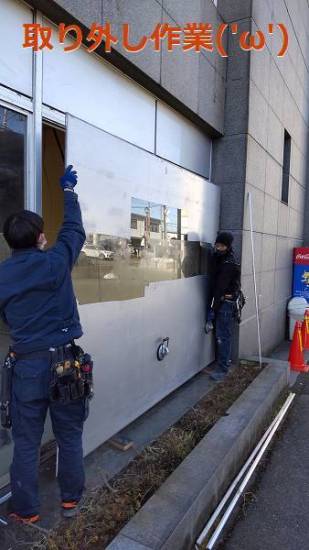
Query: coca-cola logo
[[302, 256]]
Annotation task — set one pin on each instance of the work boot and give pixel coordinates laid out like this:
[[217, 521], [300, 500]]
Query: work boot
[[24, 519], [70, 509]]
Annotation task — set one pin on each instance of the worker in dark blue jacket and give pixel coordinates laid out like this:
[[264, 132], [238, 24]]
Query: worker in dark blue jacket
[[38, 304]]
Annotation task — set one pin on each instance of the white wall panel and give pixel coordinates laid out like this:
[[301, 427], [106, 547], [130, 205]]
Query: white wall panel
[[86, 86], [123, 336], [182, 142], [114, 171], [15, 61]]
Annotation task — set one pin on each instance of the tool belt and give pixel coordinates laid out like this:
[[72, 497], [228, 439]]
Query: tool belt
[[6, 390], [71, 377], [239, 300]]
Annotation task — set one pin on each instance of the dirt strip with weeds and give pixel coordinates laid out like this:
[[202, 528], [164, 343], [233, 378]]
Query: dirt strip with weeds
[[107, 509]]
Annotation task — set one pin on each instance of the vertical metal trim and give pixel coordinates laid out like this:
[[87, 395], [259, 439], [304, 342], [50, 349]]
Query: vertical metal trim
[[156, 127], [37, 87], [210, 162], [66, 141], [29, 151]]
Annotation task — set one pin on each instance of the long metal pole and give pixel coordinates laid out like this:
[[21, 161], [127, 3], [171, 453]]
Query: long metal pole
[[254, 279], [234, 484], [250, 467]]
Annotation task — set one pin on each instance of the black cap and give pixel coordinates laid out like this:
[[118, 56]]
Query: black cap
[[225, 237]]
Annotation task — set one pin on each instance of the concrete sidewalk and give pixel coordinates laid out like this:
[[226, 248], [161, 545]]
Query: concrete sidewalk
[[277, 516]]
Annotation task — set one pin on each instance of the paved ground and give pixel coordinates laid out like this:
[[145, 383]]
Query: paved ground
[[278, 516]]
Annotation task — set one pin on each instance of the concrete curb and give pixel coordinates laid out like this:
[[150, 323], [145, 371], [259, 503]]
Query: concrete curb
[[175, 515]]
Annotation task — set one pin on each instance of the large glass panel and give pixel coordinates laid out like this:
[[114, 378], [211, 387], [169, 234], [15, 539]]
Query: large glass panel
[[12, 182], [12, 166]]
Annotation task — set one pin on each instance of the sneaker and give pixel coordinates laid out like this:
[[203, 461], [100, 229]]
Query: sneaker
[[218, 376], [24, 519], [70, 509], [210, 369]]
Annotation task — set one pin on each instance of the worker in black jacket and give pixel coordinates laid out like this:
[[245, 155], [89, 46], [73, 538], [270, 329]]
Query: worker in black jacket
[[225, 289]]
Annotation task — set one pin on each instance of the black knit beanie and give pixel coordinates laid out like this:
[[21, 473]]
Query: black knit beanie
[[225, 237]]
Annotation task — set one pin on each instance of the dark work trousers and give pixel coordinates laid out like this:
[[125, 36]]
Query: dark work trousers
[[30, 404], [224, 329]]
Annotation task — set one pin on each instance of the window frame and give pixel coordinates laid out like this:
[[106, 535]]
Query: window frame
[[285, 180], [28, 168]]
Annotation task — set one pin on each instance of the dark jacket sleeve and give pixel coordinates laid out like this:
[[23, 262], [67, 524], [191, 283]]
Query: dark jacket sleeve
[[72, 235]]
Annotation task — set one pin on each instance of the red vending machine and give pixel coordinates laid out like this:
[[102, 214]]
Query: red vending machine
[[301, 273]]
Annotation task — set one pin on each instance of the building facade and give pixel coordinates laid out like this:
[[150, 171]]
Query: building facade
[[169, 145], [266, 121]]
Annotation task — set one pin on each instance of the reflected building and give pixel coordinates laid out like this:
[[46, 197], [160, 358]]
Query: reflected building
[[111, 268]]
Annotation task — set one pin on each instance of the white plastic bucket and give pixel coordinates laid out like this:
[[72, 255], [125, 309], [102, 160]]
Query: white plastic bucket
[[296, 308]]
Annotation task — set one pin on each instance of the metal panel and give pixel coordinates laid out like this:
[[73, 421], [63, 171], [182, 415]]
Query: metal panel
[[180, 141], [88, 87], [123, 336], [112, 171], [15, 61]]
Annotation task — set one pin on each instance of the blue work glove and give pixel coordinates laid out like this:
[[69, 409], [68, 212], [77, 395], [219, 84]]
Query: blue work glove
[[69, 178], [210, 320], [210, 315]]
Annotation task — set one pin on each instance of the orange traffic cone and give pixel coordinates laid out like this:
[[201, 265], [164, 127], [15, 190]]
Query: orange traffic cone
[[305, 330], [296, 356]]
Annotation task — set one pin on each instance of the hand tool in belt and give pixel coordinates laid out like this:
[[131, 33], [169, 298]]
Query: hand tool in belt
[[71, 377], [6, 390]]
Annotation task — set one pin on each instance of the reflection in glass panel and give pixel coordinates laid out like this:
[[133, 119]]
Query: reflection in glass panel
[[12, 170], [155, 244], [114, 268], [12, 166]]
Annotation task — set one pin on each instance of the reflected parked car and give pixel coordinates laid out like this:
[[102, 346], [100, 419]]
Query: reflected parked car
[[92, 251]]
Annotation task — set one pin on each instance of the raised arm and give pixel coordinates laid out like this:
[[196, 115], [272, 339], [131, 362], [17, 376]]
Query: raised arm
[[72, 235]]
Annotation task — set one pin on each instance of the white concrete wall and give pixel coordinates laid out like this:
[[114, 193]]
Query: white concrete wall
[[89, 88], [15, 61]]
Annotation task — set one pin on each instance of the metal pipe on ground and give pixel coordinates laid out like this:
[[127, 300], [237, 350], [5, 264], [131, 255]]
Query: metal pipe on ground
[[5, 497], [249, 467]]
